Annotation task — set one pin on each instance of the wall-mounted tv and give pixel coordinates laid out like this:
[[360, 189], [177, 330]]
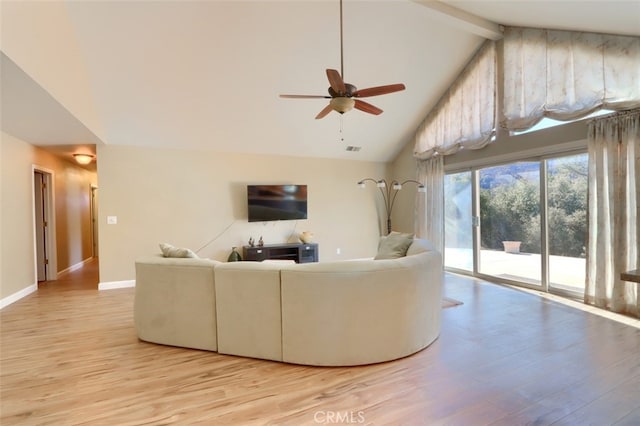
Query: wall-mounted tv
[[276, 202]]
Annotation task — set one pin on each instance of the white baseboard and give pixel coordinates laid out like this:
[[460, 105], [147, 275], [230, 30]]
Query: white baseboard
[[18, 295], [110, 285]]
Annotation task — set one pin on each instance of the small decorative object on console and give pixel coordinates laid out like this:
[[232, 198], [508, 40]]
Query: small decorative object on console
[[260, 242], [234, 256], [251, 242], [306, 237]]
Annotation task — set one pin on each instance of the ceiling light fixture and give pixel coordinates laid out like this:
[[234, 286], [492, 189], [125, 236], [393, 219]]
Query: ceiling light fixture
[[83, 159], [342, 104]]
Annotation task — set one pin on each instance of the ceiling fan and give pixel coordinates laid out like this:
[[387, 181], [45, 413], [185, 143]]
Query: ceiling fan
[[344, 96]]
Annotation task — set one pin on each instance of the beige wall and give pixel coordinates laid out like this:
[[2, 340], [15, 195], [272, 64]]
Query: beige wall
[[197, 199], [39, 37], [1, 214], [71, 191], [17, 218], [403, 168]]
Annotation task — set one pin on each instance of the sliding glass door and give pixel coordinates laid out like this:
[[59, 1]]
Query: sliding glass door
[[510, 222], [530, 223], [567, 222], [458, 216]]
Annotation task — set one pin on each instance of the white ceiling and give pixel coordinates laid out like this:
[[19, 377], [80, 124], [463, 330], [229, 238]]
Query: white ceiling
[[206, 75]]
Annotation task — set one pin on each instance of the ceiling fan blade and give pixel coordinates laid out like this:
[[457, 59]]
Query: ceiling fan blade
[[366, 107], [380, 90], [324, 112], [336, 82], [305, 96]]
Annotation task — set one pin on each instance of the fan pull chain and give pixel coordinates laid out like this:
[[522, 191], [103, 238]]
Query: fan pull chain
[[341, 134]]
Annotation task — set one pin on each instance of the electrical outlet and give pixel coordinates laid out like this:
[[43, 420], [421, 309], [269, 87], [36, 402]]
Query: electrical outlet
[[112, 220], [338, 250]]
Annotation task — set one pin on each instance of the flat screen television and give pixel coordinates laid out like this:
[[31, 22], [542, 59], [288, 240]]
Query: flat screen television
[[276, 202]]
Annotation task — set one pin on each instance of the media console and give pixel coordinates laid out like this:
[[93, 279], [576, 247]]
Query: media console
[[300, 253]]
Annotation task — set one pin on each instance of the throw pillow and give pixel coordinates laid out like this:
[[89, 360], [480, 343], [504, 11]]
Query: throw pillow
[[394, 245], [170, 251]]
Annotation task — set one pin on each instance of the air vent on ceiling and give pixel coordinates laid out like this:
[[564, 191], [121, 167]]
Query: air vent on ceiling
[[354, 148]]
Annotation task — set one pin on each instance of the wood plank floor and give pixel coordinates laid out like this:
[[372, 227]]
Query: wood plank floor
[[70, 356]]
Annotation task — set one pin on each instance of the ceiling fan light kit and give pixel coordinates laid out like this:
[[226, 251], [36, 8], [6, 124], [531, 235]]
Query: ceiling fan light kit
[[342, 94], [342, 104]]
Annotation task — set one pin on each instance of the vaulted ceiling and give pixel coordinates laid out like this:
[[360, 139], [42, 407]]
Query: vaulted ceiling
[[207, 75]]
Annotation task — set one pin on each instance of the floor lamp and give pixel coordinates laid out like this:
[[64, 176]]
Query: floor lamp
[[389, 192]]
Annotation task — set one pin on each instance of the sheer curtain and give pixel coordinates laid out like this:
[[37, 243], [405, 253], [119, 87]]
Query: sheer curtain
[[566, 75], [429, 223], [614, 220]]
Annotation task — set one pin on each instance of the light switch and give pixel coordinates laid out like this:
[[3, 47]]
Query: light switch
[[112, 220]]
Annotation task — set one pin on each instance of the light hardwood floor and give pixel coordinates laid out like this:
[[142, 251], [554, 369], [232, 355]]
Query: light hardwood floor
[[70, 356]]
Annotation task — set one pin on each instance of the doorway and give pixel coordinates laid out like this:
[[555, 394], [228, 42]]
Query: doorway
[[94, 220], [43, 223], [521, 223]]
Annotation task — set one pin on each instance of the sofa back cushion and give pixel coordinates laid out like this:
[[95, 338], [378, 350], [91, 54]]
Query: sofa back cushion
[[175, 303], [420, 245], [179, 252], [248, 309], [394, 245], [361, 311]]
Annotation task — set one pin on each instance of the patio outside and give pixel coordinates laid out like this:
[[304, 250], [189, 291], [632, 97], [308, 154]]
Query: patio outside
[[566, 273]]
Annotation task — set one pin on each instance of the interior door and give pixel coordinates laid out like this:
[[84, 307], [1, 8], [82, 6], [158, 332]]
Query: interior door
[[94, 220], [39, 188]]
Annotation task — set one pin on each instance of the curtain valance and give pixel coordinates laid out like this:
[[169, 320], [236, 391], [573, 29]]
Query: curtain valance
[[567, 75], [465, 115]]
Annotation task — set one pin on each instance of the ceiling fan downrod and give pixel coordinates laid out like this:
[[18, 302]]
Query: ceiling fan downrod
[[341, 45], [343, 96]]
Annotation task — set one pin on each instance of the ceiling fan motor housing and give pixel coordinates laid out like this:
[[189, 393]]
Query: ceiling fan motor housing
[[350, 90]]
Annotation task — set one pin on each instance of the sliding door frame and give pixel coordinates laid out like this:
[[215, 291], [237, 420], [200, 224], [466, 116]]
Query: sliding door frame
[[544, 231]]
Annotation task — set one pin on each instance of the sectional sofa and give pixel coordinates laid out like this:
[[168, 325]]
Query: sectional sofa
[[326, 314]]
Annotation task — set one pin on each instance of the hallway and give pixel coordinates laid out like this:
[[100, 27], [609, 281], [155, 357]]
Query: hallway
[[84, 278]]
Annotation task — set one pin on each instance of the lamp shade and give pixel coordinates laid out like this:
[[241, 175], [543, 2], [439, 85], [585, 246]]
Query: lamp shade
[[342, 104]]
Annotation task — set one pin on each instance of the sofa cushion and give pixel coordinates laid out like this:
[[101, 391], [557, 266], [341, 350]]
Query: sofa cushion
[[394, 245], [170, 251], [175, 303], [248, 309], [419, 245]]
